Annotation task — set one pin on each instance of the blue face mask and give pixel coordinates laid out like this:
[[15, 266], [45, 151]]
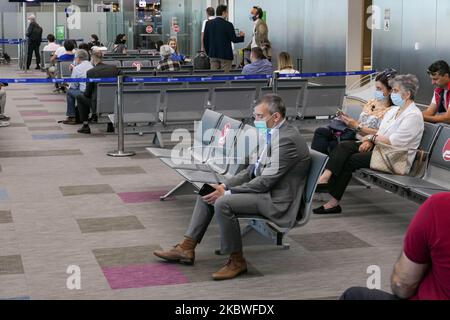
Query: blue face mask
[[263, 130], [252, 17], [397, 99], [379, 95], [261, 126]]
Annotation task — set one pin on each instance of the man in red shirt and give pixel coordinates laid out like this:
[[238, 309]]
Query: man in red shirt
[[423, 270], [439, 111]]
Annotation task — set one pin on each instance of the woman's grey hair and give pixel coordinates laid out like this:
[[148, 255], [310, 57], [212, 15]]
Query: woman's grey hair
[[165, 50], [407, 83], [275, 104], [82, 54], [97, 57]]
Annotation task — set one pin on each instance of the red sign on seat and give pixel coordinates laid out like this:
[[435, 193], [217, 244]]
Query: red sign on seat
[[446, 151]]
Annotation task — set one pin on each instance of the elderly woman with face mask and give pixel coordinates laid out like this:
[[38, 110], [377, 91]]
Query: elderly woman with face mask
[[401, 127]]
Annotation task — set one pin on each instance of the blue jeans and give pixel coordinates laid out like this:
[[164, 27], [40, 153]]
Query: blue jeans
[[71, 98]]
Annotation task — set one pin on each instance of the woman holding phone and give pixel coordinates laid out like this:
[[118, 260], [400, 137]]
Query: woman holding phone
[[348, 129]]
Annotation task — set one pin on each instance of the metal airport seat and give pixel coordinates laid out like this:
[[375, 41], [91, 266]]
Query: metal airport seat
[[292, 82], [437, 177], [222, 142], [211, 85], [64, 69], [144, 63], [46, 55], [140, 106], [184, 105], [221, 147], [139, 74], [172, 73], [203, 136], [116, 63], [164, 86], [238, 159], [235, 102], [322, 101], [303, 201], [106, 96], [207, 71], [292, 97], [258, 84], [133, 69]]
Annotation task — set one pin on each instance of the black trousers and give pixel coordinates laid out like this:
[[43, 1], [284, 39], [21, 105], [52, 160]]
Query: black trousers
[[344, 160], [33, 47], [360, 294], [325, 141], [84, 107]]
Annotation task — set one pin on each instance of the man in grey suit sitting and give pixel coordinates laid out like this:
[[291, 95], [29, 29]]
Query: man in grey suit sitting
[[267, 188]]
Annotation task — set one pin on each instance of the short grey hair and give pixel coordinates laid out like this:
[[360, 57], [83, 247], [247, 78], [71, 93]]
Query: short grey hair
[[407, 83], [165, 50], [32, 17], [275, 104], [82, 54]]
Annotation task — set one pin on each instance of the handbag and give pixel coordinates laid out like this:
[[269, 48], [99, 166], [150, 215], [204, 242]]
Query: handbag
[[338, 125], [390, 159]]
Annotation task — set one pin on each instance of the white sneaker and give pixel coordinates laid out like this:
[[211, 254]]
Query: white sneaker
[[4, 124]]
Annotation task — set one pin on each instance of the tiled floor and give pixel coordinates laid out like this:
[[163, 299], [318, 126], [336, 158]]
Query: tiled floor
[[64, 202]]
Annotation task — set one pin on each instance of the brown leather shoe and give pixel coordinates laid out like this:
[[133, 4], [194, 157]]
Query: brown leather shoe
[[235, 266], [177, 255], [70, 121]]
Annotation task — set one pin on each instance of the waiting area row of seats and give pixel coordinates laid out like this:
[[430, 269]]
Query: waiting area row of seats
[[187, 101], [436, 176], [147, 68]]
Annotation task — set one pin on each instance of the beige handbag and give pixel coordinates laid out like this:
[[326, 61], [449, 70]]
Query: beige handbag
[[390, 159]]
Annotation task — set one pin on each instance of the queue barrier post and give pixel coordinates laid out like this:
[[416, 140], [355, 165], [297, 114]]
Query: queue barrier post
[[120, 152], [275, 77]]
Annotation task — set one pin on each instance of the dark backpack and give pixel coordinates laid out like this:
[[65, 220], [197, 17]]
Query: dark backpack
[[201, 61], [36, 34]]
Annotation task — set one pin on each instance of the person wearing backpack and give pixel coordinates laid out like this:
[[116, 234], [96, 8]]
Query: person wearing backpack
[[34, 37]]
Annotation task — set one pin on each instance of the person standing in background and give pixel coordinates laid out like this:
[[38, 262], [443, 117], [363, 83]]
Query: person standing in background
[[34, 37], [3, 119], [219, 34], [211, 14], [260, 33]]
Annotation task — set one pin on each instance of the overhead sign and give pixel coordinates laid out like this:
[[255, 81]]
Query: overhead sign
[[142, 4]]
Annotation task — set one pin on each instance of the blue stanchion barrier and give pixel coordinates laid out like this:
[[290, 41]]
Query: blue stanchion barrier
[[188, 78], [19, 41], [11, 41]]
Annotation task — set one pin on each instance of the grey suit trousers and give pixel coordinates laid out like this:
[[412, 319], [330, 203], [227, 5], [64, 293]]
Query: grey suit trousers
[[227, 211]]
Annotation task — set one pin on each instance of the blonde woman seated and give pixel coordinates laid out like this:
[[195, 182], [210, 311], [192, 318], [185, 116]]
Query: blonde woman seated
[[285, 65], [326, 138], [402, 127]]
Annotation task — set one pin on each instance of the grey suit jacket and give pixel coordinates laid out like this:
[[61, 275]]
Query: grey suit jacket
[[283, 171]]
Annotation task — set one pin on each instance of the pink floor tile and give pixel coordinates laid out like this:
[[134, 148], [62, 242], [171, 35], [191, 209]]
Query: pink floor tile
[[141, 276]]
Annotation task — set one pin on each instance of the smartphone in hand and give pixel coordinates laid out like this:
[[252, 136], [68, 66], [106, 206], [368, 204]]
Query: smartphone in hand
[[206, 190]]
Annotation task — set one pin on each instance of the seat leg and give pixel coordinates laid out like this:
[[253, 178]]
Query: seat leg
[[184, 188], [158, 139]]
